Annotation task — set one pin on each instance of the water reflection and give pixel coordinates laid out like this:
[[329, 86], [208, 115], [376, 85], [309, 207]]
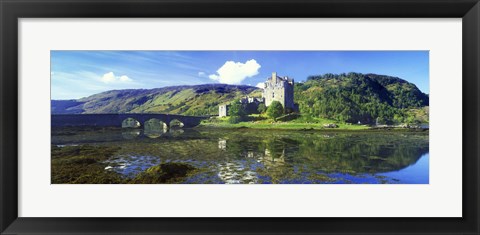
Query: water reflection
[[131, 134], [222, 144], [131, 165], [176, 131], [236, 172], [259, 156]]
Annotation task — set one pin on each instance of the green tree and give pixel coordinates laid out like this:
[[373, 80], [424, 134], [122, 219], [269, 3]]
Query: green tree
[[236, 109], [262, 108], [275, 110], [236, 112]]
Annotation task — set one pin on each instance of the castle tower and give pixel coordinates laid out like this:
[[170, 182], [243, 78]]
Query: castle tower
[[279, 89], [223, 110]]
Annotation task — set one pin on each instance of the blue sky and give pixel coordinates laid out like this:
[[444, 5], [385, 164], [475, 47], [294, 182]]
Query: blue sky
[[76, 74]]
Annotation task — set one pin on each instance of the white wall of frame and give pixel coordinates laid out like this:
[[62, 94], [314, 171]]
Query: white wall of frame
[[441, 198]]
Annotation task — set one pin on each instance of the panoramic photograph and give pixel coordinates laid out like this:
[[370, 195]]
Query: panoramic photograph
[[239, 117]]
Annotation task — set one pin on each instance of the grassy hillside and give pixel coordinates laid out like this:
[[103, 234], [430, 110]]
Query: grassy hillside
[[186, 100], [347, 98]]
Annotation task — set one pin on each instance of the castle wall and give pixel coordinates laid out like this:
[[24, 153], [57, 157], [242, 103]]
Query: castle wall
[[289, 103]]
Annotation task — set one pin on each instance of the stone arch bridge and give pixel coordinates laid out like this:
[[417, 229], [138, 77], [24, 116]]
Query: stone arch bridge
[[105, 120]]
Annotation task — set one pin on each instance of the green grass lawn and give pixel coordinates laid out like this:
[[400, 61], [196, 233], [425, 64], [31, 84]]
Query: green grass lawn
[[262, 122]]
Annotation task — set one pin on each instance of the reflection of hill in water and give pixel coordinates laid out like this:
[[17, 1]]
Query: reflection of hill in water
[[62, 136], [364, 154], [347, 153], [258, 156]]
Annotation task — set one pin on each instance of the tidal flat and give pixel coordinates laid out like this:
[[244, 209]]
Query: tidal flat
[[237, 156]]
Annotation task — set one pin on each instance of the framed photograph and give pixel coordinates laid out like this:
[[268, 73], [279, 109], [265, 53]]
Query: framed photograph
[[319, 117]]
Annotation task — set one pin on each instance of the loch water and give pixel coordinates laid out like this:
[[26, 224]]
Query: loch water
[[255, 156]]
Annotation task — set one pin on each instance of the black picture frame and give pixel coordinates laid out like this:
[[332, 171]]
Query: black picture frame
[[12, 10]]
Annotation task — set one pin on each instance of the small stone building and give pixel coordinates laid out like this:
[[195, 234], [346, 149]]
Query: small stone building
[[223, 110]]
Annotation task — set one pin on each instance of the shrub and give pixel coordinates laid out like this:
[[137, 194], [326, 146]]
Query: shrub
[[262, 108], [275, 110], [234, 119]]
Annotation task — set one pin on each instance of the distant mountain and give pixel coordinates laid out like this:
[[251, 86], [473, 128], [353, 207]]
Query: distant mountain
[[66, 107], [186, 100], [351, 97]]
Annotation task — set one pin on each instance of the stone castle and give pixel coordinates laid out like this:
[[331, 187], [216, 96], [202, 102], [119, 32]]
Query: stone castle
[[276, 88], [281, 90]]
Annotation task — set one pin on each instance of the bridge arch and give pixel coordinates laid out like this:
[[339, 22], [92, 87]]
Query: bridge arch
[[154, 128], [175, 123], [130, 123], [121, 119]]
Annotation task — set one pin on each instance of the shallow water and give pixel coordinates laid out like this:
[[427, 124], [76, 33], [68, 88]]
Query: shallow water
[[251, 156]]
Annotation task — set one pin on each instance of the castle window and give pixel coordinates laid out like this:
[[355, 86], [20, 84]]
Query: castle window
[[273, 94]]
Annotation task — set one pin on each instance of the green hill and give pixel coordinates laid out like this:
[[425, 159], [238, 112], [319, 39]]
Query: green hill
[[186, 100], [367, 98], [351, 97]]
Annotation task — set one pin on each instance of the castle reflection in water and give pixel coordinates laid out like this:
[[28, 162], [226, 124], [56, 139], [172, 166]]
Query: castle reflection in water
[[266, 156]]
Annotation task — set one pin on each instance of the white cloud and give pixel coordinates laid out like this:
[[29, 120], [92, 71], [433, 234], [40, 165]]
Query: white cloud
[[235, 72], [214, 77], [111, 78], [108, 77], [78, 84], [124, 78], [261, 85], [202, 74]]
